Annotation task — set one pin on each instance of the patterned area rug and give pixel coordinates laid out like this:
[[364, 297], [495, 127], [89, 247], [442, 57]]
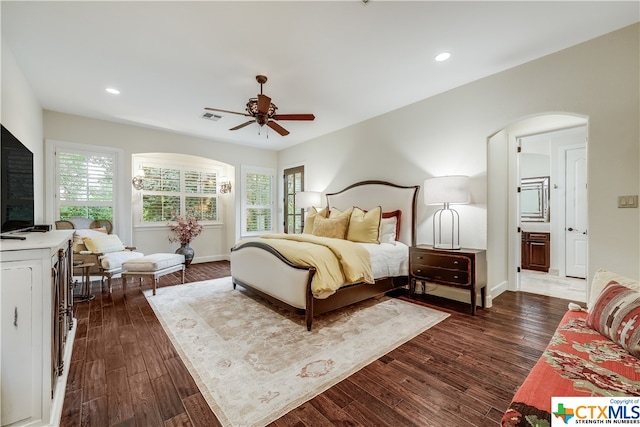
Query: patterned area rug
[[254, 362]]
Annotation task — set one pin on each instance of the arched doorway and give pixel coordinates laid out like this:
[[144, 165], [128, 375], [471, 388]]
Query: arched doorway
[[505, 224]]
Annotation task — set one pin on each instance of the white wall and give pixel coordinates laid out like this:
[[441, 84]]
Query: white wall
[[215, 243], [447, 134], [21, 114]]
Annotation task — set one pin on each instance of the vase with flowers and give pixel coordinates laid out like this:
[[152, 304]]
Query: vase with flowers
[[185, 229]]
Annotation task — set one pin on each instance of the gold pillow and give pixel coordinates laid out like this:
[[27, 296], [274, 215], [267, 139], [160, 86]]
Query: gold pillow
[[103, 244], [310, 218], [364, 226], [337, 213], [330, 227]]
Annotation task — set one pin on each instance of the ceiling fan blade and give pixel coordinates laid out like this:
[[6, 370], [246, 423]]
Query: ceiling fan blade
[[294, 117], [227, 111], [273, 125], [263, 103], [243, 125]]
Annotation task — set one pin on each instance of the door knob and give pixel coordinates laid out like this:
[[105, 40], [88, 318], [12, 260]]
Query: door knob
[[571, 229]]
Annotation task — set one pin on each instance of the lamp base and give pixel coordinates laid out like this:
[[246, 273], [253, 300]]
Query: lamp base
[[448, 247]]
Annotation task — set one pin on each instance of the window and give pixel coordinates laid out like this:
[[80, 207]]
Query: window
[[85, 184], [170, 189], [293, 184], [257, 200]]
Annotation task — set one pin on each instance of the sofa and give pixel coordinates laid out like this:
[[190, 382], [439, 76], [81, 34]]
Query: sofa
[[593, 352]]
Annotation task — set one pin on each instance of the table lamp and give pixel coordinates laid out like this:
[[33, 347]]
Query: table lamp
[[446, 190]]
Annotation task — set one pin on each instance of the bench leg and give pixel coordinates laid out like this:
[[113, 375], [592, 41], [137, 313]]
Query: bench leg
[[183, 274], [124, 283], [155, 284]]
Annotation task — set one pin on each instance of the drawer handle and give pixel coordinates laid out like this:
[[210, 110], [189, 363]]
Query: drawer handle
[[419, 257], [418, 271], [456, 262], [15, 317], [456, 277]]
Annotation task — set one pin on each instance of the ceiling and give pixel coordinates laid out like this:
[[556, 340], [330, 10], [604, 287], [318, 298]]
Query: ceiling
[[344, 61]]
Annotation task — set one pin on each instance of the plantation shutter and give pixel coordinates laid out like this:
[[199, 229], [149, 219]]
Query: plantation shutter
[[161, 194], [85, 184], [258, 201], [173, 188]]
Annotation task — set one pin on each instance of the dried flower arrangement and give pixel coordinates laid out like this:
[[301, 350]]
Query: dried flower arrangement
[[185, 229]]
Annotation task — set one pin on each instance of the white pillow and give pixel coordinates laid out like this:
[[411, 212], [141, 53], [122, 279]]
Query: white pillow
[[388, 230], [104, 243], [602, 278]]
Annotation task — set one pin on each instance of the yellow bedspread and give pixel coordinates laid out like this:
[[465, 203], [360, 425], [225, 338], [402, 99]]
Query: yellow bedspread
[[338, 262]]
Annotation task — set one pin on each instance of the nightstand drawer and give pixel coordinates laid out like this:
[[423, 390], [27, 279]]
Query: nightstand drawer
[[436, 274], [454, 262]]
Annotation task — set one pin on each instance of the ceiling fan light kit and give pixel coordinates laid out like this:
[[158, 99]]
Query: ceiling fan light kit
[[263, 112]]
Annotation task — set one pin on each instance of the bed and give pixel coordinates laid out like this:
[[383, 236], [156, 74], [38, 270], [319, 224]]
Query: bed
[[258, 267]]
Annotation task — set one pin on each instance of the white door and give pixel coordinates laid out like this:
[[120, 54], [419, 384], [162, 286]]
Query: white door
[[576, 212]]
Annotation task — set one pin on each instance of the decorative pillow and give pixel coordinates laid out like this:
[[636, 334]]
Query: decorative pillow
[[364, 226], [397, 214], [78, 235], [602, 278], [311, 216], [616, 315], [103, 243], [330, 227], [388, 230], [337, 213]]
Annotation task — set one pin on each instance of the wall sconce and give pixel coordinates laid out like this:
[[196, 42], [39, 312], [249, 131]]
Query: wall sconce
[[136, 181], [225, 185], [446, 190]]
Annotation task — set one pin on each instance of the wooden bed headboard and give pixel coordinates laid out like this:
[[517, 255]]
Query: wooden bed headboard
[[370, 194]]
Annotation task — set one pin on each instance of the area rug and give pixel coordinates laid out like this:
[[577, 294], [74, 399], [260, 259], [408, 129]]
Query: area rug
[[254, 362]]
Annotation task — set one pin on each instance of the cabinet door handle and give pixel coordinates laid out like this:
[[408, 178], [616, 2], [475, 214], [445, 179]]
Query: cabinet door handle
[[15, 317]]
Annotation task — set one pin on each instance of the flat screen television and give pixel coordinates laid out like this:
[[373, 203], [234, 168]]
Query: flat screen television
[[17, 184]]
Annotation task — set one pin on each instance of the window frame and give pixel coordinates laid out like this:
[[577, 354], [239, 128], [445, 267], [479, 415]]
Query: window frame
[[141, 161], [85, 150], [246, 170]]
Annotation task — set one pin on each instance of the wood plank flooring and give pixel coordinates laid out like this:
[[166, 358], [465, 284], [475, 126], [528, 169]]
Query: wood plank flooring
[[462, 372]]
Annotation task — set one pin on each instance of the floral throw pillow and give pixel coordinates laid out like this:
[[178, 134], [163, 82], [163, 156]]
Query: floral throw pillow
[[616, 315]]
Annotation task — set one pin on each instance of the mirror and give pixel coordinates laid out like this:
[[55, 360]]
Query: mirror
[[534, 199]]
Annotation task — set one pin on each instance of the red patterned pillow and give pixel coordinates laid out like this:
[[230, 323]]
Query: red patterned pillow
[[616, 315]]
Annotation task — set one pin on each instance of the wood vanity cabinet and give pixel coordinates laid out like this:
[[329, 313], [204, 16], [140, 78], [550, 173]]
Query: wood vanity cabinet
[[536, 251]]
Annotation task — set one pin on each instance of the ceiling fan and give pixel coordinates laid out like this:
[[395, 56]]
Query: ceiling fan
[[263, 112]]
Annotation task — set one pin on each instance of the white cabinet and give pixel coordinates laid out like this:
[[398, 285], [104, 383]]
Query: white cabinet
[[37, 326]]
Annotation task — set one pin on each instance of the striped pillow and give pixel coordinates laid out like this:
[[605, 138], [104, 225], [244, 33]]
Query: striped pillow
[[616, 315]]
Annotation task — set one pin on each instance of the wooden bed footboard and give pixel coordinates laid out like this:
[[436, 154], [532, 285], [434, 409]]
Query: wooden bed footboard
[[288, 285]]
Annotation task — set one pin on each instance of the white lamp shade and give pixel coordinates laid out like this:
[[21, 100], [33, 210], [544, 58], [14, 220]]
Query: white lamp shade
[[308, 199], [447, 189]]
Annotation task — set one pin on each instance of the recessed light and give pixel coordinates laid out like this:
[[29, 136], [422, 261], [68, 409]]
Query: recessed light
[[443, 56], [113, 91]]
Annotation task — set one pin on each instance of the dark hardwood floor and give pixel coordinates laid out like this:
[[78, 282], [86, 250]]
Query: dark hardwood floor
[[461, 372]]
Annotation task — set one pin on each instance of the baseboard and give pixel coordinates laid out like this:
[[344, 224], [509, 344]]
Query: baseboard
[[213, 258], [499, 288]]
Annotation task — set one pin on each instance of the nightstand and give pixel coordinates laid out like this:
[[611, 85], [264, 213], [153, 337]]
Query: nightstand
[[463, 268]]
